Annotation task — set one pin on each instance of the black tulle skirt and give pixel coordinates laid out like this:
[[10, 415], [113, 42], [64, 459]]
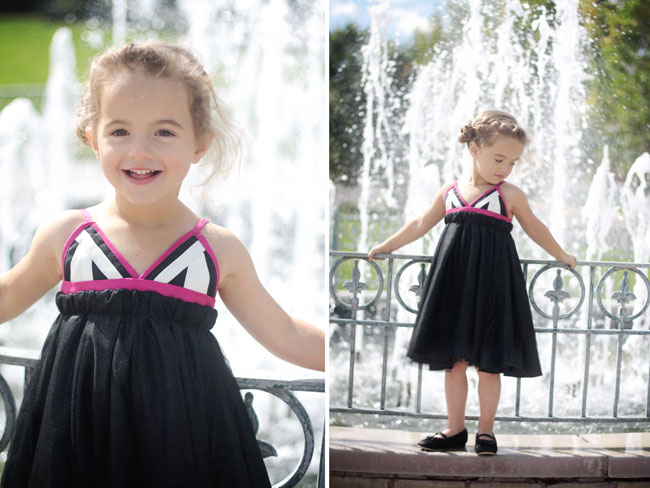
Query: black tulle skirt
[[475, 306], [132, 390]]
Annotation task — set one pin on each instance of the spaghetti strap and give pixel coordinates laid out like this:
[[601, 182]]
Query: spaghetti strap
[[200, 224], [86, 215]]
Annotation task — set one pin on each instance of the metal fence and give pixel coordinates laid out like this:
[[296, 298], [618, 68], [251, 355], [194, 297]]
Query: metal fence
[[282, 389], [572, 304]]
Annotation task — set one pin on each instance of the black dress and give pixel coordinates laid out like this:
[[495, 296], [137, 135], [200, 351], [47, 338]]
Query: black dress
[[475, 306], [132, 389]]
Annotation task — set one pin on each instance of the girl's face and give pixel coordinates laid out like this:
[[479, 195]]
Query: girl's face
[[144, 138], [494, 163]]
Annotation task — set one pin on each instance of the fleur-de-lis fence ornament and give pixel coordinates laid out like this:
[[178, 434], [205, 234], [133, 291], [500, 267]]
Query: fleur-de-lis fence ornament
[[419, 288], [624, 296], [355, 286], [266, 448], [557, 294]]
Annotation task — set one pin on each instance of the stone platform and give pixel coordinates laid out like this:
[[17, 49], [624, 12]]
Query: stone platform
[[361, 458]]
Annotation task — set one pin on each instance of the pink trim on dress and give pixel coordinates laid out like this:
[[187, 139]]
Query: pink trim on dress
[[460, 195], [480, 211], [504, 200], [462, 198], [165, 289], [444, 198], [169, 250], [86, 214], [71, 239], [114, 250], [110, 245], [137, 281], [208, 247], [482, 194]]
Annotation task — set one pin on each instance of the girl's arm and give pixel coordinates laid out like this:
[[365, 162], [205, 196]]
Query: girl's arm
[[535, 228], [39, 270], [287, 337], [416, 228]]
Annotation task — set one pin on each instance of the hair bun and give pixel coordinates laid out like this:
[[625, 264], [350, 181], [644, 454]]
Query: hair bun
[[467, 134]]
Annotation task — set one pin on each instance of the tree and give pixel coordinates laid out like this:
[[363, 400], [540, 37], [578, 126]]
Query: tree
[[619, 92], [347, 104]]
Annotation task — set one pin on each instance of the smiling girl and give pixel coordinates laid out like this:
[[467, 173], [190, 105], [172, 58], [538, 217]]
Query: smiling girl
[[474, 308], [132, 388]]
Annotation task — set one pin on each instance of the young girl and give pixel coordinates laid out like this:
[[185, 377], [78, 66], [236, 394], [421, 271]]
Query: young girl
[[132, 388], [475, 310]]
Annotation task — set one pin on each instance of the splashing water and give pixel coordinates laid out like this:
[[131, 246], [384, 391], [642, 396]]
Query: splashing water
[[636, 205]]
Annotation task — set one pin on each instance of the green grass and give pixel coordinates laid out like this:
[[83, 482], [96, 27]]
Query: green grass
[[25, 52], [25, 45]]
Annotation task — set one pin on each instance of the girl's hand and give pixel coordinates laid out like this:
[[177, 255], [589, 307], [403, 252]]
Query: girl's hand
[[378, 249], [569, 260]]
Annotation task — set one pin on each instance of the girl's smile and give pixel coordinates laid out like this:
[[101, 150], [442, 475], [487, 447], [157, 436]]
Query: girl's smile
[[141, 176]]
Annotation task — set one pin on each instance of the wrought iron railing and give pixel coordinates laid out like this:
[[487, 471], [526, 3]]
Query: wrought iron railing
[[282, 389], [375, 299]]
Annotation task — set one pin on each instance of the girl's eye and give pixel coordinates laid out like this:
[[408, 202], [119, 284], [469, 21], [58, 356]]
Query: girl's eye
[[165, 133], [119, 132], [499, 160]]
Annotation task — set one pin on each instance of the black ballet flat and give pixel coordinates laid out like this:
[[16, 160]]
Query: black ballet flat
[[485, 445], [442, 442]]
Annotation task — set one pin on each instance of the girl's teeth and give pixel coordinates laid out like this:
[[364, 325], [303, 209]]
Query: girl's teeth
[[141, 171]]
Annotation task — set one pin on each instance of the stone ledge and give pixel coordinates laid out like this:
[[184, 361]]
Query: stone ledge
[[394, 455]]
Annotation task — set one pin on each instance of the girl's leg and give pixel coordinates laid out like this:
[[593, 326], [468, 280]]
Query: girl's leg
[[489, 391], [456, 395]]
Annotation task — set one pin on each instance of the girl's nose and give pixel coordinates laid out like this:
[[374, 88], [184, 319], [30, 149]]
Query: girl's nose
[[140, 150]]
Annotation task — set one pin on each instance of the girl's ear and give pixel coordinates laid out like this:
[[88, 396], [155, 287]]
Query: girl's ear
[[473, 149], [90, 135], [202, 145]]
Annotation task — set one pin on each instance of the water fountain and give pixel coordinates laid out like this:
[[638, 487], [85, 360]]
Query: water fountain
[[586, 208], [267, 59]]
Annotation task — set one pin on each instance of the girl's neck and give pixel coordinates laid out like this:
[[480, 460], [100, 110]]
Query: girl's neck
[[148, 216], [475, 179]]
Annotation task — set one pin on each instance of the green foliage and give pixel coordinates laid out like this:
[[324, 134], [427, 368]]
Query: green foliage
[[424, 42], [619, 92]]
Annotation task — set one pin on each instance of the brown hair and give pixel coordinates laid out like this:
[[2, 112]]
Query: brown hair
[[165, 61], [485, 128]]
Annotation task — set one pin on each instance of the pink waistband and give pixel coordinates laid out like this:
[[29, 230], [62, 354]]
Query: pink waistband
[[140, 285]]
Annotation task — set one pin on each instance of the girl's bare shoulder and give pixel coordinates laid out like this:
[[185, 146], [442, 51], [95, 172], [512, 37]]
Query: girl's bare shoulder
[[59, 228], [232, 256], [51, 236], [224, 243], [512, 192], [444, 189]]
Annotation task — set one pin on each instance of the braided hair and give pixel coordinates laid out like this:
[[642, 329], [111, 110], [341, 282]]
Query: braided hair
[[485, 128]]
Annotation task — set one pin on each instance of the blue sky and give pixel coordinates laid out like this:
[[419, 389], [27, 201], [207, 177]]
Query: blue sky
[[405, 15]]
